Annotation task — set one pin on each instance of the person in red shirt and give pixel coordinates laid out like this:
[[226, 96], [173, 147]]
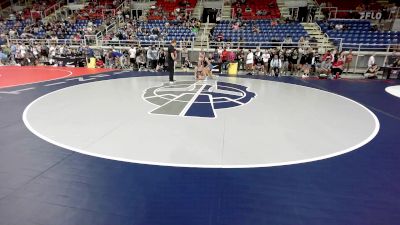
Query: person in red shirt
[[99, 63], [231, 56], [224, 56], [337, 66], [327, 55]]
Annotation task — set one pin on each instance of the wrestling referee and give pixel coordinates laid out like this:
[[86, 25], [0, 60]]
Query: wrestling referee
[[171, 60]]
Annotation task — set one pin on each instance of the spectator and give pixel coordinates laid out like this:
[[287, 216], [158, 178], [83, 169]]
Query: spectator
[[371, 60], [305, 63], [151, 56], [231, 56], [313, 42], [132, 55], [302, 42], [348, 60], [256, 29], [327, 55], [266, 59], [240, 58], [235, 26], [276, 65], [184, 57], [315, 63], [325, 67], [154, 58], [294, 62], [3, 57], [249, 62], [372, 72], [220, 37], [285, 57], [161, 60], [141, 61], [224, 58], [216, 57], [339, 26], [288, 39], [337, 66]]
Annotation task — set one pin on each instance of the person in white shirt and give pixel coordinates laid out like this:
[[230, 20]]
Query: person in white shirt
[[249, 62], [257, 53], [276, 65], [52, 51], [339, 26], [265, 57], [371, 60], [132, 55], [149, 56], [35, 51], [141, 61], [61, 50], [220, 50]]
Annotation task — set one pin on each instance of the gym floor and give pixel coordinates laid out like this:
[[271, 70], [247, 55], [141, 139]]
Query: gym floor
[[81, 146]]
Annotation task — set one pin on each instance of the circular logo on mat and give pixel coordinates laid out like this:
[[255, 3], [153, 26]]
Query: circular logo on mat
[[196, 98]]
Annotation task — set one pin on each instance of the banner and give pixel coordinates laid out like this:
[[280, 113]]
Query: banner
[[370, 15]]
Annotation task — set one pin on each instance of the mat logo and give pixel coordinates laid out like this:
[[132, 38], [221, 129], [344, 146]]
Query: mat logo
[[196, 98]]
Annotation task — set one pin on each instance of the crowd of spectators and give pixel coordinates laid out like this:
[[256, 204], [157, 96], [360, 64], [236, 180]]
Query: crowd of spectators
[[239, 25], [136, 57], [299, 61], [286, 61], [39, 54], [53, 29], [87, 21], [294, 58], [133, 29]]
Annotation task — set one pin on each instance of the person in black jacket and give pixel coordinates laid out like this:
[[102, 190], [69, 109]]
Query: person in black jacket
[[171, 58]]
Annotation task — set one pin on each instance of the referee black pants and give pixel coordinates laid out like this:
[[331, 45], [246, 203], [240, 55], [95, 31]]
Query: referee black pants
[[171, 71]]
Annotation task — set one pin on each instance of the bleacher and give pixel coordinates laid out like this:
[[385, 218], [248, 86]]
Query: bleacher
[[359, 32], [169, 7], [96, 11], [72, 29], [267, 32], [349, 5], [270, 7], [17, 25], [37, 9], [174, 32]]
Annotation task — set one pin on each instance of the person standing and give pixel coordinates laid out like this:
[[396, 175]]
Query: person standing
[[276, 65], [132, 56], [266, 57], [184, 57], [171, 60], [371, 60], [250, 62], [348, 60]]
